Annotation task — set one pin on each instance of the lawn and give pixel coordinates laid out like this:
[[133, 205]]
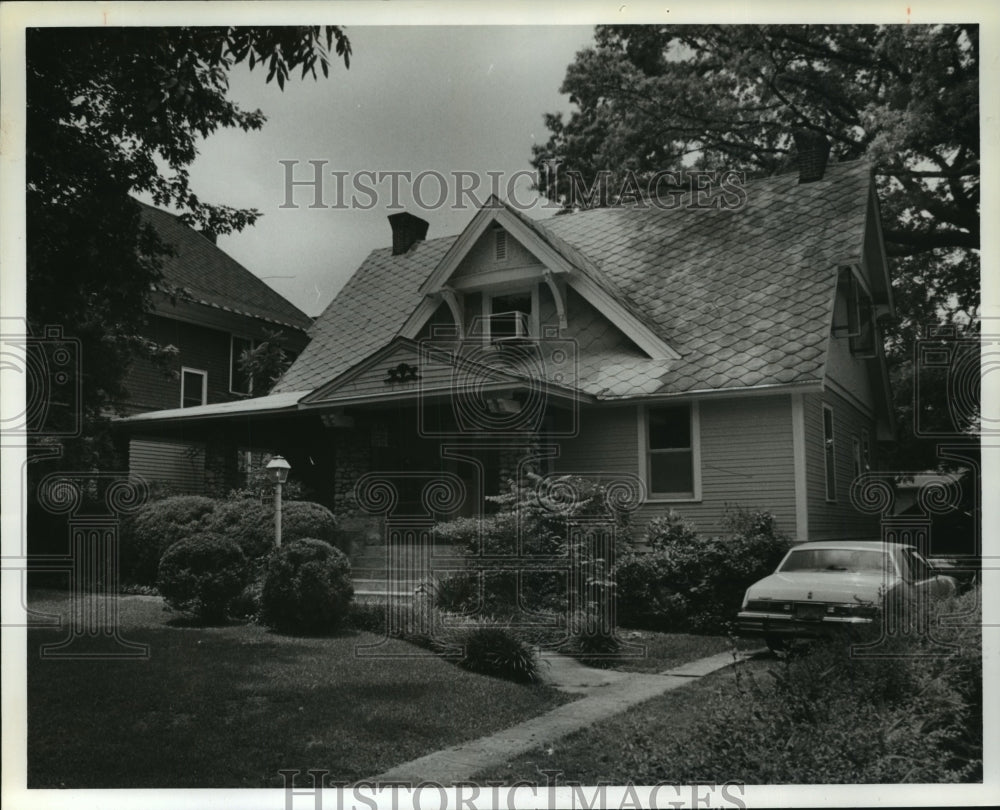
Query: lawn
[[665, 651], [641, 737], [231, 706]]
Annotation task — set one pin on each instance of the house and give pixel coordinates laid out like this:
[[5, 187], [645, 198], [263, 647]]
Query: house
[[714, 356], [210, 308]]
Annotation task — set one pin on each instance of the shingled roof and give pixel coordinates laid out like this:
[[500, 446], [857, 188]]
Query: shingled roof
[[208, 275], [745, 296]]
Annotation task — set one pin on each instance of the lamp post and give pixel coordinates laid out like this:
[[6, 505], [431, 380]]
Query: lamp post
[[277, 469]]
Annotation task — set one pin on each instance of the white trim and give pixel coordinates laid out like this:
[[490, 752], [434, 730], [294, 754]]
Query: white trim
[[799, 468], [642, 422], [826, 466], [634, 329], [204, 384]]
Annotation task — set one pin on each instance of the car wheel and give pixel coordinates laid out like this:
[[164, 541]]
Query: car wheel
[[776, 644]]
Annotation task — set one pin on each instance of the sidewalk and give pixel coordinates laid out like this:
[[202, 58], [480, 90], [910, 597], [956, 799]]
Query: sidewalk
[[605, 694]]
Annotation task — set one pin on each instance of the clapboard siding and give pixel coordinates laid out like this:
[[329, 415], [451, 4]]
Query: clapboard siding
[[746, 458], [607, 443], [839, 519], [152, 387], [178, 465]]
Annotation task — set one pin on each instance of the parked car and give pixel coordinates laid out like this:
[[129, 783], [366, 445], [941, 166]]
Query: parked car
[[823, 585]]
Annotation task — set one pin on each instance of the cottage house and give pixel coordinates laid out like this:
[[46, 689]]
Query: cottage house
[[716, 356], [210, 308]]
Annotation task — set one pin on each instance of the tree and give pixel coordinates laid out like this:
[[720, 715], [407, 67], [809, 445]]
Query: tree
[[729, 97], [117, 111], [265, 363]]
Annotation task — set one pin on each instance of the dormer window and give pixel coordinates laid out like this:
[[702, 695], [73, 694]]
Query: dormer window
[[510, 317]]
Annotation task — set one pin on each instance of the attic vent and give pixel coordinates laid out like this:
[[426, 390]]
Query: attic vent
[[500, 244]]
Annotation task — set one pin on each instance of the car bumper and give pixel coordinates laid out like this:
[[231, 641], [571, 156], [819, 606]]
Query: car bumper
[[776, 624]]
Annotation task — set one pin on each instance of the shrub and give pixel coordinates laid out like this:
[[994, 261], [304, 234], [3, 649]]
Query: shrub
[[155, 527], [251, 524], [247, 523], [669, 529], [695, 583], [304, 519], [369, 616], [494, 650], [202, 575], [828, 716], [307, 587], [534, 520]]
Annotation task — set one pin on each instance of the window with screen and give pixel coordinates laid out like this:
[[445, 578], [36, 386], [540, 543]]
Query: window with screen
[[830, 454]]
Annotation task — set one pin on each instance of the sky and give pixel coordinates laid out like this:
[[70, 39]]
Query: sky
[[418, 99]]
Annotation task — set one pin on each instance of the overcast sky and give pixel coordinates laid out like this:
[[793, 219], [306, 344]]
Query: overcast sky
[[415, 99]]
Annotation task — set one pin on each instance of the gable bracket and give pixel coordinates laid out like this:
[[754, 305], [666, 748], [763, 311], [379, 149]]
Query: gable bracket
[[456, 305], [558, 294]]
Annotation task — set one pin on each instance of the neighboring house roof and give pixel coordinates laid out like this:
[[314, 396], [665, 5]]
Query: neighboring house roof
[[745, 296], [208, 275]]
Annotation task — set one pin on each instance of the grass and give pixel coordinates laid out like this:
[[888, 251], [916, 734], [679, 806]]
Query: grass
[[665, 651], [231, 706], [641, 738]]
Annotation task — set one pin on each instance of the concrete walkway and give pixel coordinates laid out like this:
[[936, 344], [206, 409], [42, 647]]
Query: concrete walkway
[[605, 694]]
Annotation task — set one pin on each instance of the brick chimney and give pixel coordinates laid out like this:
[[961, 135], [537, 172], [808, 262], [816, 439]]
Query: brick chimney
[[406, 231], [812, 150]]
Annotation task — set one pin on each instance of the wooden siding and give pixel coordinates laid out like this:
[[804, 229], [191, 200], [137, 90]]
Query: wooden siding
[[837, 520], [842, 367], [178, 465], [481, 257], [746, 458], [151, 387]]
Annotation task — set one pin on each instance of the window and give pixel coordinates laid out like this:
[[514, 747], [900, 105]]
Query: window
[[510, 316], [856, 320], [239, 383], [866, 451], [829, 451], [670, 452], [194, 387], [856, 448]]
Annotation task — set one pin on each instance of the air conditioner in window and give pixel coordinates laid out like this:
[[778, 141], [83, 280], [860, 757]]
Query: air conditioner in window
[[509, 326]]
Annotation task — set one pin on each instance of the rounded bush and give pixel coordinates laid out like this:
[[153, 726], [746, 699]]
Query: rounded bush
[[154, 528], [202, 575], [307, 588], [246, 522], [305, 519], [250, 524]]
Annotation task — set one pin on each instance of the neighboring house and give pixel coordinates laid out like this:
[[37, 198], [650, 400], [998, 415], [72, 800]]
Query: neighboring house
[[210, 308], [722, 357]]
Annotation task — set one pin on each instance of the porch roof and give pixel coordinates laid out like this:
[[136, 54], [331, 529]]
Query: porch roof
[[285, 402]]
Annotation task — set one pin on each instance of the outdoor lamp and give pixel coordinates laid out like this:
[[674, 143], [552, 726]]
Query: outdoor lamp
[[277, 470]]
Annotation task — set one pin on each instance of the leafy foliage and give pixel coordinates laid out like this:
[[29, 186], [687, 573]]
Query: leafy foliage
[[307, 588], [250, 523], [266, 362], [106, 108], [156, 527], [202, 575], [494, 650], [692, 582], [567, 516], [830, 716], [713, 97]]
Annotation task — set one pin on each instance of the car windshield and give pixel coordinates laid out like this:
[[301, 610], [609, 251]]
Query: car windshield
[[835, 559]]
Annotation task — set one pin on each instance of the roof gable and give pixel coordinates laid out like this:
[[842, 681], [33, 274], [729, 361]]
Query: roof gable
[[743, 296]]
